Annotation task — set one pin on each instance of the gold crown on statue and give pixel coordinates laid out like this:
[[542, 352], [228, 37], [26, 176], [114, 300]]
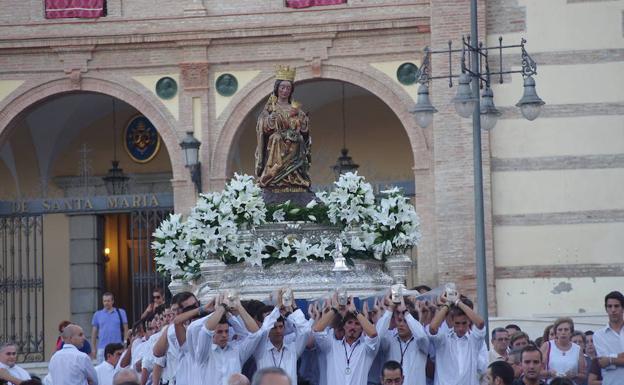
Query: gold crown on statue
[[285, 73]]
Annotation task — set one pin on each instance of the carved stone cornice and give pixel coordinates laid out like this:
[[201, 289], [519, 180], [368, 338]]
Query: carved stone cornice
[[74, 57]]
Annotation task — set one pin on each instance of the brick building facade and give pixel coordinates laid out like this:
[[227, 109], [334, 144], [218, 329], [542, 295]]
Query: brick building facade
[[360, 43]]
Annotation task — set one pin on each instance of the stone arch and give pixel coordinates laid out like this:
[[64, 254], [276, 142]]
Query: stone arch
[[389, 92], [127, 91]]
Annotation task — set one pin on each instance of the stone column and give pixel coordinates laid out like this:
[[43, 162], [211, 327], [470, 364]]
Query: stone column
[[85, 264]]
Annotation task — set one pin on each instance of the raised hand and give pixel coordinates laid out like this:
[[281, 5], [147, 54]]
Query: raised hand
[[351, 305]]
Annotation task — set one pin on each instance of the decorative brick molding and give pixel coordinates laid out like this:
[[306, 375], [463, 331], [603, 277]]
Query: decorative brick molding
[[245, 100], [194, 76], [124, 89]]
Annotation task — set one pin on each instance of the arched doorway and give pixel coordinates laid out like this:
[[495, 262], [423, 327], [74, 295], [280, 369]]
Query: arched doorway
[[362, 122], [75, 240]]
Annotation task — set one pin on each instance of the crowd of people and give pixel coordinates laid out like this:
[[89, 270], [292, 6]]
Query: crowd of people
[[336, 341]]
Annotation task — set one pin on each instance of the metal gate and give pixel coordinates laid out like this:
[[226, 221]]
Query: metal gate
[[21, 285], [142, 266]]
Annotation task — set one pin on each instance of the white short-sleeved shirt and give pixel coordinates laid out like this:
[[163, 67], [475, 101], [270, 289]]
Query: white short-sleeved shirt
[[70, 366]]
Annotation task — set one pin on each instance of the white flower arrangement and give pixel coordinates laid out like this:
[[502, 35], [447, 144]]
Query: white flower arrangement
[[351, 202], [216, 223], [395, 224], [170, 248]]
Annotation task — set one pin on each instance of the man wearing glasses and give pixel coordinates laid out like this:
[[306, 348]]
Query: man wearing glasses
[[392, 373], [110, 326], [10, 372]]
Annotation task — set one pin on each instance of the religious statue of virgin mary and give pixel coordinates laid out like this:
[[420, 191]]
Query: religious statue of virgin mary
[[283, 133]]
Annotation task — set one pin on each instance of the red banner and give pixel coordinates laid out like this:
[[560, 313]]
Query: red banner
[[85, 9], [312, 3]]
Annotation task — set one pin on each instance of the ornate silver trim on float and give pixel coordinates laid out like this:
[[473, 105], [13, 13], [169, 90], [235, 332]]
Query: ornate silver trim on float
[[398, 265], [309, 280]]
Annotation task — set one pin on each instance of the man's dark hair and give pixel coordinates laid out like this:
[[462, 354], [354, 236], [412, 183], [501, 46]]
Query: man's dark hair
[[497, 330], [181, 297], [561, 381], [513, 326], [259, 375], [349, 316], [518, 335], [108, 294], [252, 306], [110, 349], [531, 348], [32, 381], [421, 287], [502, 370], [159, 290], [260, 311], [224, 320], [160, 309], [467, 301], [390, 365], [456, 312], [615, 295], [589, 332]]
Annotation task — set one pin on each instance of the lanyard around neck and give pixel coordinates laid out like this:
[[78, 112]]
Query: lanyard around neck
[[276, 364], [348, 357], [403, 351]]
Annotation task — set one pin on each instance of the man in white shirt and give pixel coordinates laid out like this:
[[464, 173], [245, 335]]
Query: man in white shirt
[[168, 346], [408, 344], [609, 341], [348, 360], [70, 366], [9, 371], [216, 356], [276, 351], [107, 369], [457, 349]]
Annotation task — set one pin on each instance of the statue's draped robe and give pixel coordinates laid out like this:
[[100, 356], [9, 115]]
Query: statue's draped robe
[[283, 152]]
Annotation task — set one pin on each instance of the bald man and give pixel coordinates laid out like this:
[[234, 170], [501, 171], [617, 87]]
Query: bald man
[[70, 366], [126, 376], [238, 379]]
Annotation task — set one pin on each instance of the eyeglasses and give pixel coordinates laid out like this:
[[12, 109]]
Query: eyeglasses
[[393, 381], [157, 296]]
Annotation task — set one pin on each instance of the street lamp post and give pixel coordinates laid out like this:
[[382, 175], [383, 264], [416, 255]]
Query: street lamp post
[[468, 103]]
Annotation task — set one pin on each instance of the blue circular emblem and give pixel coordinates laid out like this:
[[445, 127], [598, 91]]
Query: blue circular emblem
[[141, 140]]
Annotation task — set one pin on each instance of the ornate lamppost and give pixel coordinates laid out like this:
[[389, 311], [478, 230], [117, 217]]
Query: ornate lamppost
[[484, 114]]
